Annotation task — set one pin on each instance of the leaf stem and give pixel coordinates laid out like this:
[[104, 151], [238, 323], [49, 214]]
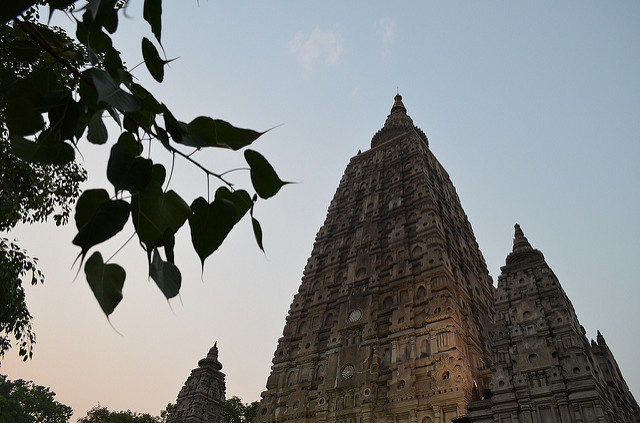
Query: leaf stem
[[234, 170], [121, 247]]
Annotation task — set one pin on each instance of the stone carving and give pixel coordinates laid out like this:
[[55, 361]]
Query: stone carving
[[201, 399], [393, 313]]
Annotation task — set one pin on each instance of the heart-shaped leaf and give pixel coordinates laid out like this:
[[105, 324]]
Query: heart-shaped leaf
[[106, 282], [97, 132], [166, 275], [87, 205], [210, 224], [240, 199], [108, 219], [155, 212], [264, 178], [158, 173], [127, 172]]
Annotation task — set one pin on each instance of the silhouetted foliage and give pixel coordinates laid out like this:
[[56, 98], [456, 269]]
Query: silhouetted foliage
[[100, 414], [29, 192], [50, 110], [237, 412], [25, 402]]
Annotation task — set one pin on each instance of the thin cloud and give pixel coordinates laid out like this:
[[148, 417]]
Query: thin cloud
[[387, 27], [321, 46]]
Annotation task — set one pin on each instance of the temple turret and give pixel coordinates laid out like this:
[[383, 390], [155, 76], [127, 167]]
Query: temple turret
[[201, 399], [544, 368]]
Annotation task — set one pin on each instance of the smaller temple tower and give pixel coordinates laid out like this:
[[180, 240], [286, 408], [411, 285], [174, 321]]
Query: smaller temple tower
[[543, 367], [201, 399]]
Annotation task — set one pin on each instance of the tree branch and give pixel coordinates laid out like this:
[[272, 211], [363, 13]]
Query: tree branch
[[33, 34]]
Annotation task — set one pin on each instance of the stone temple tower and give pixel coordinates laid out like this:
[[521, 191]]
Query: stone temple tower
[[391, 322], [544, 368], [201, 399]]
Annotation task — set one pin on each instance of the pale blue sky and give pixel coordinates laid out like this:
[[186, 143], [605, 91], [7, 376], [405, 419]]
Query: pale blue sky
[[532, 107]]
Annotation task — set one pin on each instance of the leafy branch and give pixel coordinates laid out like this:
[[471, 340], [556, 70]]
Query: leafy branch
[[75, 111]]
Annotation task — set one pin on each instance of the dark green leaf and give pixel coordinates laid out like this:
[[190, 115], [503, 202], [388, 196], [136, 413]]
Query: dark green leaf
[[257, 231], [134, 147], [82, 33], [42, 152], [166, 275], [163, 137], [97, 133], [108, 219], [66, 116], [110, 92], [158, 173], [210, 224], [22, 117], [148, 100], [156, 212], [99, 42], [152, 59], [106, 282], [126, 172], [176, 129], [87, 205], [88, 95], [264, 179], [204, 131], [152, 13], [240, 199]]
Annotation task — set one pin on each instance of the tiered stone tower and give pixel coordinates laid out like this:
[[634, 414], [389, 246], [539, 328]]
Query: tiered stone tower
[[391, 322], [201, 399], [544, 368]]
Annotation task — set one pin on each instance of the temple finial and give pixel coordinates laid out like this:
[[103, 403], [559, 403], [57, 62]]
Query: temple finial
[[398, 106], [520, 242], [212, 358]]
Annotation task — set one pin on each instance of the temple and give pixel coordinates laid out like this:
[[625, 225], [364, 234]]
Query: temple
[[397, 319], [201, 399], [543, 368], [392, 319]]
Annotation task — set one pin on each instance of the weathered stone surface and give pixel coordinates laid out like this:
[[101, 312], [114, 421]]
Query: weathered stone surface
[[391, 322], [201, 399], [544, 369], [397, 320]]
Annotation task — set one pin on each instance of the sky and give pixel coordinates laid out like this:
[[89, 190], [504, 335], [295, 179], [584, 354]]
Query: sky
[[533, 108]]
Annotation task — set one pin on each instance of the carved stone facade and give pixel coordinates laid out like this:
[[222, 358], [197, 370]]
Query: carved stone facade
[[201, 399], [394, 319], [544, 368], [391, 322]]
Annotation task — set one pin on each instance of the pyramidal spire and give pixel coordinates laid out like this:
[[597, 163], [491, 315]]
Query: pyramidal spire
[[520, 242], [398, 123]]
